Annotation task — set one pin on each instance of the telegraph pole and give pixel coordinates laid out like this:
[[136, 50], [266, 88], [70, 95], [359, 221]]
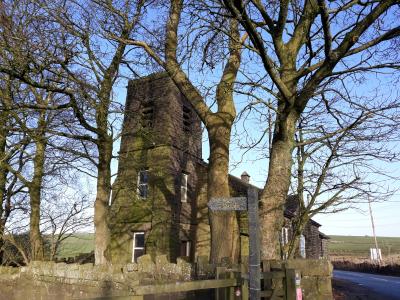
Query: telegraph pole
[[378, 256]]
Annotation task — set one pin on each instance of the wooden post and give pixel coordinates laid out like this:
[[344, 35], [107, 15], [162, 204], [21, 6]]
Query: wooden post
[[220, 294], [231, 290], [254, 244], [245, 283], [267, 281], [292, 276]]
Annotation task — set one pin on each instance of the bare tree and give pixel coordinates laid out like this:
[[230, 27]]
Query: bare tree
[[302, 46], [33, 127], [336, 171], [63, 217], [68, 41]]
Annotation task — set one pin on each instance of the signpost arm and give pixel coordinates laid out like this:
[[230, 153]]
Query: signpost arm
[[254, 244]]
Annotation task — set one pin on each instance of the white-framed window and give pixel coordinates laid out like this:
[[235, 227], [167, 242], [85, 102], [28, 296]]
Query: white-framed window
[[185, 248], [284, 236], [284, 240], [138, 245], [184, 187], [302, 246], [143, 183]]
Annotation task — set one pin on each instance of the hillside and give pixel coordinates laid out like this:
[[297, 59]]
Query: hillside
[[359, 246], [76, 244]]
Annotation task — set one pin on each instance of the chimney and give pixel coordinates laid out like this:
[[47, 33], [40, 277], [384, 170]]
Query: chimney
[[245, 177]]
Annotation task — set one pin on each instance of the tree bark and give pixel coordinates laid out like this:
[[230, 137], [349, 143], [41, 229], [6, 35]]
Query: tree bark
[[35, 188], [224, 224], [3, 177], [101, 205], [276, 189]]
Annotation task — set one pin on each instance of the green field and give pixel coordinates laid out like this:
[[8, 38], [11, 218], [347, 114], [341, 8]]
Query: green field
[[338, 245], [76, 244], [360, 245]]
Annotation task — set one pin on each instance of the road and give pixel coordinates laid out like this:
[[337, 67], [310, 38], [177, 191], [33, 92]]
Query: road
[[385, 287]]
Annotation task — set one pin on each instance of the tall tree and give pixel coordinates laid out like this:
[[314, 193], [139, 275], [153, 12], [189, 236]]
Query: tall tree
[[303, 45], [68, 47], [223, 225]]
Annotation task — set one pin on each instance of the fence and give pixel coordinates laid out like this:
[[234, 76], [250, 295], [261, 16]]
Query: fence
[[277, 282]]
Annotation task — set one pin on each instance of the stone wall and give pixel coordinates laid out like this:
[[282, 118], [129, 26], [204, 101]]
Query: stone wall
[[316, 276], [49, 280]]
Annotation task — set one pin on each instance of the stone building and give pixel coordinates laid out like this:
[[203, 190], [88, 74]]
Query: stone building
[[159, 199]]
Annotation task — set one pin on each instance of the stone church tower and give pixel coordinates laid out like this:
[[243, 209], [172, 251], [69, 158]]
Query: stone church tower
[[153, 206]]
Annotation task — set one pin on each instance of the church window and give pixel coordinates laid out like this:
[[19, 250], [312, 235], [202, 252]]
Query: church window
[[138, 245], [185, 248], [143, 183], [284, 236], [302, 246], [147, 114], [284, 240], [184, 187], [186, 118]]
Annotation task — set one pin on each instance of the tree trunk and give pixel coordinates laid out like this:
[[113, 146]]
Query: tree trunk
[[101, 205], [224, 225], [276, 189], [3, 178], [35, 188]]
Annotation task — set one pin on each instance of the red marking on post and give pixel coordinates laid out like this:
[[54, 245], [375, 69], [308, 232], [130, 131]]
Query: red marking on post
[[299, 294]]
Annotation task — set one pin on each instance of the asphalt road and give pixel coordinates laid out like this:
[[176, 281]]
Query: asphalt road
[[386, 287]]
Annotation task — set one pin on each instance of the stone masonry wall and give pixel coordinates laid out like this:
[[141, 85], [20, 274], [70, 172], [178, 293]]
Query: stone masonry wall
[[316, 276], [49, 280]]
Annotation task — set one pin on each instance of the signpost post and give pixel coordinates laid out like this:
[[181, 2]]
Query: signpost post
[[251, 205], [254, 245]]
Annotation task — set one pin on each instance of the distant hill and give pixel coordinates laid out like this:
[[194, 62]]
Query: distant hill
[[340, 245], [77, 244]]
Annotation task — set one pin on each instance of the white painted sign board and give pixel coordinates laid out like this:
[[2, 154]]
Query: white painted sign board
[[375, 255]]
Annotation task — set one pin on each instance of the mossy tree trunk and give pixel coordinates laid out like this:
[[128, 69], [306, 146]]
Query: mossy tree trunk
[[101, 206], [223, 224], [274, 195], [3, 176], [35, 189], [35, 236]]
